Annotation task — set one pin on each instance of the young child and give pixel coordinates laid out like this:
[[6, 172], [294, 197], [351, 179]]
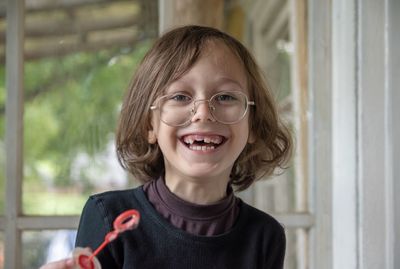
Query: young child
[[198, 122]]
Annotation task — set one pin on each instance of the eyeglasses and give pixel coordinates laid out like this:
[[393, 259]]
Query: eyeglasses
[[225, 107]]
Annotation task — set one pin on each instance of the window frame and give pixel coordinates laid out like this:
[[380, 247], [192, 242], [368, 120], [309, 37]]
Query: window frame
[[323, 197], [262, 41], [14, 222]]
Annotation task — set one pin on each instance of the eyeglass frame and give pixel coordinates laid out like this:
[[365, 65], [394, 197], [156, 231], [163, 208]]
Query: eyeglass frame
[[210, 107]]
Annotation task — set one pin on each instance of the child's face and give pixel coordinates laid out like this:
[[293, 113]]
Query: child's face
[[217, 69]]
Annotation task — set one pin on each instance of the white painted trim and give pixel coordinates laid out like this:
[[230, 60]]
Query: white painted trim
[[43, 222], [278, 24], [261, 13], [344, 135], [298, 31], [165, 11], [295, 220], [354, 144], [47, 222], [392, 147], [320, 132], [373, 178], [388, 147], [14, 130]]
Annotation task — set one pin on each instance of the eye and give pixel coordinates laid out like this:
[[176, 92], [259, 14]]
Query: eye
[[180, 98], [226, 97]]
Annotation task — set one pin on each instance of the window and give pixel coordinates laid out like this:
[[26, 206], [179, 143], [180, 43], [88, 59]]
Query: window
[[276, 32], [79, 57]]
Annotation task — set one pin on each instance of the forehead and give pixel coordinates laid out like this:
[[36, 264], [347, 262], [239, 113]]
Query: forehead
[[222, 55], [216, 62]]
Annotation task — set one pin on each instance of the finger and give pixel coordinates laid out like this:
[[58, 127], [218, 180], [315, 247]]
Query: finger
[[63, 264]]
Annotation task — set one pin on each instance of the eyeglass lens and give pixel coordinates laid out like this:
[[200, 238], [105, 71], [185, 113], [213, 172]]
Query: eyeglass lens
[[225, 107]]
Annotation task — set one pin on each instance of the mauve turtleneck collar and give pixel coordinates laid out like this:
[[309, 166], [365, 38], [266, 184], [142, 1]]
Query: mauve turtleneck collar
[[207, 220]]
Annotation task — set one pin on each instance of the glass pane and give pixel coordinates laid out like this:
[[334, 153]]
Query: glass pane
[[297, 249], [75, 79], [276, 195], [287, 191], [46, 246]]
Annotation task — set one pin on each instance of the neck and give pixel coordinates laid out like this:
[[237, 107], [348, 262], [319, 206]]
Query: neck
[[196, 192]]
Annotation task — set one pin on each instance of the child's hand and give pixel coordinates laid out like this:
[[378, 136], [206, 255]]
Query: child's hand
[[63, 264]]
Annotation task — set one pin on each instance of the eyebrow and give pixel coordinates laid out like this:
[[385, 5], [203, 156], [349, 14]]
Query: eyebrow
[[229, 80], [219, 81]]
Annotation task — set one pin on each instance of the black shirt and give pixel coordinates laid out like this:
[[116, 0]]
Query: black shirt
[[255, 241]]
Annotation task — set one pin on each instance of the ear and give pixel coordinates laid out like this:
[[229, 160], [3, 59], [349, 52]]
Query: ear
[[151, 137]]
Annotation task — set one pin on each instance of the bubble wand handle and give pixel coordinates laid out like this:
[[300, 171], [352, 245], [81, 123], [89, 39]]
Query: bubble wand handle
[[127, 220], [109, 237]]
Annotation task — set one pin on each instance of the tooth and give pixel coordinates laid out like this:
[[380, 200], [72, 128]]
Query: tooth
[[207, 140], [188, 140]]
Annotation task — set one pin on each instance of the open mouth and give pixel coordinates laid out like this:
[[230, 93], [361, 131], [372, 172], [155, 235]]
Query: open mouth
[[203, 142]]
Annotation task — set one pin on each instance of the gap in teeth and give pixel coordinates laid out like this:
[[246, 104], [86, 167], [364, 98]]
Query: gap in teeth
[[205, 139]]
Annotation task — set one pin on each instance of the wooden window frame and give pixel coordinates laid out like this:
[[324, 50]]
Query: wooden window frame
[[13, 223]]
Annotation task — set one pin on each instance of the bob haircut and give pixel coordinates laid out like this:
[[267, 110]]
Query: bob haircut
[[173, 54]]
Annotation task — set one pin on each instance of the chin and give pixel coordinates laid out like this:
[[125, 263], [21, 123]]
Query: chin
[[205, 171]]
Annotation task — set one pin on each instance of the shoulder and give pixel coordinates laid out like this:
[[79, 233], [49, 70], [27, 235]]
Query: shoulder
[[101, 209], [269, 234], [261, 221], [257, 214], [112, 203], [114, 195]]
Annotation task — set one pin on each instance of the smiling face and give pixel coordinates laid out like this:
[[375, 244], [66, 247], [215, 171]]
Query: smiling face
[[204, 150]]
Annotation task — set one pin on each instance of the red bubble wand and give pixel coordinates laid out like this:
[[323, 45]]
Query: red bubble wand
[[127, 220]]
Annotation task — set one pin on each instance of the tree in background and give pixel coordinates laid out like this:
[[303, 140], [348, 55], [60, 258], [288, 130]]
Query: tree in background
[[71, 107]]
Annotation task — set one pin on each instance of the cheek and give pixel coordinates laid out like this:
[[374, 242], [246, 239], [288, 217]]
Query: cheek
[[243, 134], [166, 135]]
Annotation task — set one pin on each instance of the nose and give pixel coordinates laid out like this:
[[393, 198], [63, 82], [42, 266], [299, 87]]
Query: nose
[[202, 111]]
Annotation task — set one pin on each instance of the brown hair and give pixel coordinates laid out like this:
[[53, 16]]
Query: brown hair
[[170, 57]]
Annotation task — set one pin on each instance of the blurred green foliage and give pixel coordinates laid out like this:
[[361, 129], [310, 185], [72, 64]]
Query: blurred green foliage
[[71, 106]]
